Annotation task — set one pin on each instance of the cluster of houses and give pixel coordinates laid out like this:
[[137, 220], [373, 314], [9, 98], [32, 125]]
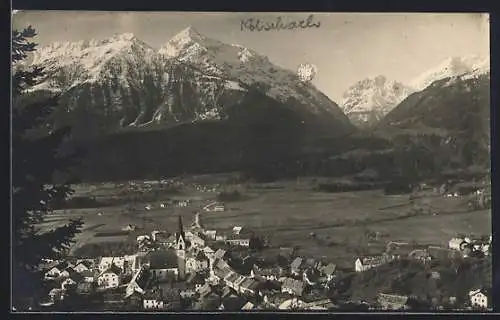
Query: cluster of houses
[[196, 237], [170, 203], [479, 193], [272, 286], [470, 247], [457, 247], [194, 269], [85, 276], [186, 272], [478, 299], [206, 188]]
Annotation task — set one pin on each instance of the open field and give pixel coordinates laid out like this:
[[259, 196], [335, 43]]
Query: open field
[[288, 213]]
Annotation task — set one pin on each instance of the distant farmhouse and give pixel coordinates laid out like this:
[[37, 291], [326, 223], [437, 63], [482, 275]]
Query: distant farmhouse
[[214, 207]]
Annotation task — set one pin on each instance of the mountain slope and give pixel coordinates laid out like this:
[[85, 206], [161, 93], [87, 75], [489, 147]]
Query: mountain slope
[[121, 81], [453, 66], [454, 112], [248, 68], [369, 100]]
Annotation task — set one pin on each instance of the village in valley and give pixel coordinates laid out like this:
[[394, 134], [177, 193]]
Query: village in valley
[[196, 268], [163, 164]]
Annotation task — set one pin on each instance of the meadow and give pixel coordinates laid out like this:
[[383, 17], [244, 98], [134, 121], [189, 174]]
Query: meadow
[[288, 213]]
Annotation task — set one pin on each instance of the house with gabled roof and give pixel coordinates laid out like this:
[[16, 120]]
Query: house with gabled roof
[[72, 281], [67, 272], [139, 283], [55, 271], [82, 266], [109, 278], [105, 263], [121, 262], [366, 263], [197, 262], [68, 283], [237, 230], [480, 298]]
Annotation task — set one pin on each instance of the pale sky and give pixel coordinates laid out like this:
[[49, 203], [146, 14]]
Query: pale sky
[[347, 47]]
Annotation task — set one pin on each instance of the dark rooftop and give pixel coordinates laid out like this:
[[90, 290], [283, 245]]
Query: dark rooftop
[[114, 269], [233, 303], [195, 278], [162, 259]]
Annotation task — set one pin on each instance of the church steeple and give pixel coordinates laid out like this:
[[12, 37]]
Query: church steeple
[[181, 247], [180, 237], [180, 231]]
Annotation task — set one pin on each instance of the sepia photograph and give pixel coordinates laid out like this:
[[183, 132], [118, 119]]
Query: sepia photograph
[[250, 162]]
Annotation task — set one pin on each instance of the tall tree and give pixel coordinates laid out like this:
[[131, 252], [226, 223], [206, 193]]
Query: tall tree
[[36, 157]]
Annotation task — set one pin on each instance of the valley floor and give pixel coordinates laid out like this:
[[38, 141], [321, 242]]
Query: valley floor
[[288, 213]]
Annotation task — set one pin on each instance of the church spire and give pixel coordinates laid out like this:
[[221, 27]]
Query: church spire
[[181, 229], [180, 232]]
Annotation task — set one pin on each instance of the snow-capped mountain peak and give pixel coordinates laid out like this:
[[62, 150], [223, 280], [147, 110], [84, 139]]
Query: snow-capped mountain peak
[[192, 77], [187, 44], [452, 67], [188, 33], [94, 60], [88, 50], [372, 98]]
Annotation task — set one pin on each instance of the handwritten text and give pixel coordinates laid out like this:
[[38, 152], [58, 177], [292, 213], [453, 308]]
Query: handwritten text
[[252, 24]]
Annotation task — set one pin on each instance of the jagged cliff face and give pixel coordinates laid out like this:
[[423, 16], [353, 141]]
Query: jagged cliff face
[[369, 100], [121, 82]]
